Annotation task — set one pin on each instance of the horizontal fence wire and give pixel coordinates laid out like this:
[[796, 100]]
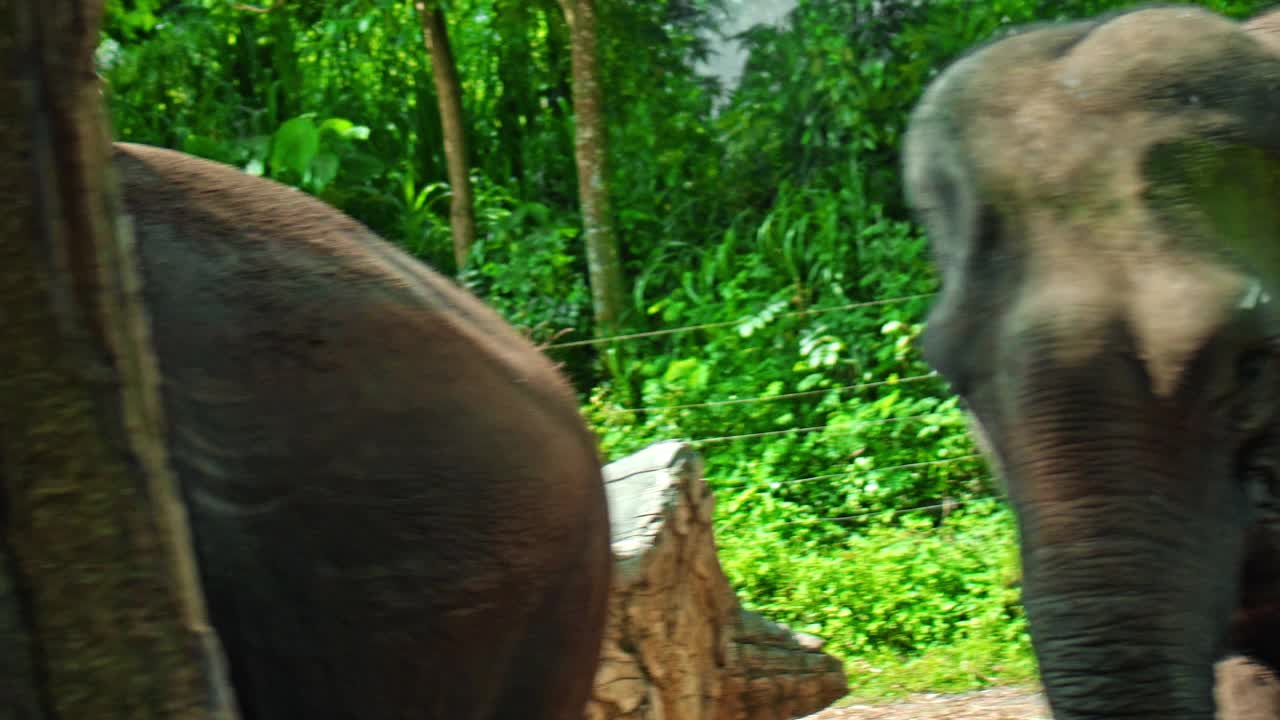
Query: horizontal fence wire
[[887, 468], [731, 323], [839, 427], [946, 504], [807, 393], [857, 471], [783, 396]]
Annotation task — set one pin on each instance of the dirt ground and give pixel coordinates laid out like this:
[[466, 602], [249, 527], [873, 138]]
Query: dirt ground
[[1010, 703]]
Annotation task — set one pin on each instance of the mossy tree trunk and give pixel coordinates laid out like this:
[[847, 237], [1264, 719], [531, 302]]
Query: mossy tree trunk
[[444, 70], [604, 262], [101, 614]]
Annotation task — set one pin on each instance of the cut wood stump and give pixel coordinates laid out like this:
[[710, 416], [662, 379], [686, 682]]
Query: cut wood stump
[[679, 646]]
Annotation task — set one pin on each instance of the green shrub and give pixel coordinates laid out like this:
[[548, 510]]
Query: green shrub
[[893, 599]]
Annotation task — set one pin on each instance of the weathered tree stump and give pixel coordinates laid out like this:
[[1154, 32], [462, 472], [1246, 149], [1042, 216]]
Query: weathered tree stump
[[679, 646]]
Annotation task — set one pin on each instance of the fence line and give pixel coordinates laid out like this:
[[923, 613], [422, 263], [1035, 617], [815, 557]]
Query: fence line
[[904, 466], [807, 393], [849, 473], [783, 396], [843, 426], [730, 323], [946, 504]]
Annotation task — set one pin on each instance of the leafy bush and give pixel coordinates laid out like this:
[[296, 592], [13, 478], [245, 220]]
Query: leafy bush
[[526, 265], [892, 593]]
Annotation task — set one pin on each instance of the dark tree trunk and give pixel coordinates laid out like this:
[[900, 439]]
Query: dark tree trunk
[[428, 151], [515, 100], [604, 264], [282, 63], [101, 613], [462, 215], [556, 181]]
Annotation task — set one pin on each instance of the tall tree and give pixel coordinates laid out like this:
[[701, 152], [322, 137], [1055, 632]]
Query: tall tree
[[101, 612], [604, 263], [462, 214]]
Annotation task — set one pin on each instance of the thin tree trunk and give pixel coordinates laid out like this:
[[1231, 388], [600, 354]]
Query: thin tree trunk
[[515, 99], [462, 214], [604, 263], [101, 612]]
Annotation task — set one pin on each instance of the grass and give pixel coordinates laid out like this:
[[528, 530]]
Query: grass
[[961, 667]]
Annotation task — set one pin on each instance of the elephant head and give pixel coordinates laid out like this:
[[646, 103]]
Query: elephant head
[[1103, 203]]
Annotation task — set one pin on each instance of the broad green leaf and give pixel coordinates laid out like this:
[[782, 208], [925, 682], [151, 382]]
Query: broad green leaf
[[295, 145]]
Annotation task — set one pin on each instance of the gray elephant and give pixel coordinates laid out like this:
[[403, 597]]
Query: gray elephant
[[397, 509], [1103, 202]]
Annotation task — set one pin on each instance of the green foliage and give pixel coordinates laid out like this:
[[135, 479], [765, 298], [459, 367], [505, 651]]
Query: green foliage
[[892, 593], [774, 224], [544, 296]]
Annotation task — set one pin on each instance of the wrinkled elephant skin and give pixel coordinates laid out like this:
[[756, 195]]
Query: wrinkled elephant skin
[[397, 510], [1103, 203]]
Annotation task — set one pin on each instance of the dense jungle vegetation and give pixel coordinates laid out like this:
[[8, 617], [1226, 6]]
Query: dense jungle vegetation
[[855, 507]]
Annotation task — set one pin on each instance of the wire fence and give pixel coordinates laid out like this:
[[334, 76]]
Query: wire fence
[[784, 396], [944, 505], [889, 468], [732, 323], [840, 427], [844, 474]]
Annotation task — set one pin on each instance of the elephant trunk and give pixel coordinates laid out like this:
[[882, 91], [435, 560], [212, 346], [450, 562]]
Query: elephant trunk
[[1117, 639], [1128, 564]]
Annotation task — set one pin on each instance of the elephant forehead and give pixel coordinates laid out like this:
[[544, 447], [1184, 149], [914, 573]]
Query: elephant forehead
[[1075, 164], [1145, 53], [1045, 114], [1266, 29]]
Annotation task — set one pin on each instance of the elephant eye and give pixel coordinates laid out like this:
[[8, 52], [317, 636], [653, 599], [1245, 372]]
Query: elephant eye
[[1255, 377], [1252, 365]]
